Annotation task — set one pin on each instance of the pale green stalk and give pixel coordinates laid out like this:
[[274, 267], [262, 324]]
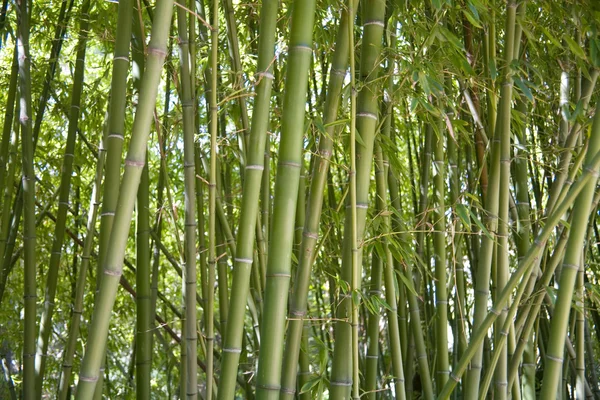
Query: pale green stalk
[[212, 195], [232, 343], [344, 372], [189, 272], [285, 198], [113, 264], [320, 167]]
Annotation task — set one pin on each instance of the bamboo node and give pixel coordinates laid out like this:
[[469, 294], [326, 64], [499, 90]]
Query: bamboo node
[[372, 357], [279, 275], [339, 72], [374, 22], [288, 391], [265, 74], [310, 235], [269, 387], [133, 163], [571, 266], [88, 378], [367, 114], [243, 260], [28, 355], [256, 167], [289, 164], [115, 136], [110, 272], [121, 58], [296, 313], [340, 383], [454, 378], [302, 47], [156, 51], [232, 350]]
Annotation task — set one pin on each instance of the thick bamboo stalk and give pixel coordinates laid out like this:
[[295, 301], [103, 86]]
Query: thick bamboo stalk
[[344, 371], [252, 178], [285, 198], [112, 267], [320, 167]]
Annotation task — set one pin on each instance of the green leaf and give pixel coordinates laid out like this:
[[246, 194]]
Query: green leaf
[[463, 214], [550, 36], [480, 225], [356, 297], [474, 20], [575, 47], [524, 88], [312, 382], [407, 283]]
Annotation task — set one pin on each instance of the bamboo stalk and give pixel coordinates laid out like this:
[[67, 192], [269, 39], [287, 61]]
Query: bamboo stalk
[[112, 267]]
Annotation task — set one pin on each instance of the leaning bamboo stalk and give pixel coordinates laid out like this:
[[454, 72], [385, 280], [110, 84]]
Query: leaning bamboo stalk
[[320, 167], [523, 271], [250, 193], [570, 266], [29, 239], [189, 272], [285, 199], [388, 273], [344, 371], [112, 268], [63, 202], [67, 365]]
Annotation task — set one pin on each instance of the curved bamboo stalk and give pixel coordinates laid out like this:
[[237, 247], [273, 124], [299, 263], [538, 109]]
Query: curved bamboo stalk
[[112, 267]]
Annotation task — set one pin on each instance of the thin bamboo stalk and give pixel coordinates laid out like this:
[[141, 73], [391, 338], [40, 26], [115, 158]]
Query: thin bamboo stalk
[[189, 272], [29, 230], [63, 202]]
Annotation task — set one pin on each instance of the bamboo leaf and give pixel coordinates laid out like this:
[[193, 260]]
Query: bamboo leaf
[[407, 283], [524, 88], [575, 47], [480, 225], [308, 386]]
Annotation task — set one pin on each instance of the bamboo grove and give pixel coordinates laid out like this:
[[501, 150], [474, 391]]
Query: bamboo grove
[[299, 199]]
